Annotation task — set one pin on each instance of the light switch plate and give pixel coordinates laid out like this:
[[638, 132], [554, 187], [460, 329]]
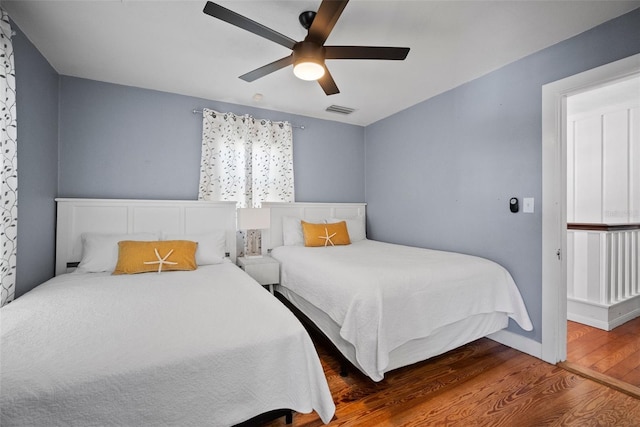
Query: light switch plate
[[527, 205]]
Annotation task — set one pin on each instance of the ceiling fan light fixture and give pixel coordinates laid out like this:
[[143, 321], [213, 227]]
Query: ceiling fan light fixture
[[308, 61], [308, 70]]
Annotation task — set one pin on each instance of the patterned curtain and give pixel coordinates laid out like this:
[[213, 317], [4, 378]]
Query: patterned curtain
[[245, 159], [9, 172]]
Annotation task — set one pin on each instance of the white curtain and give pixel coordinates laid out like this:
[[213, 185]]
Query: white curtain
[[246, 160], [9, 172]]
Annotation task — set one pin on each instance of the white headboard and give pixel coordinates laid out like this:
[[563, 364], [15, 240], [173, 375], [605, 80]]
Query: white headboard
[[117, 216], [310, 212]]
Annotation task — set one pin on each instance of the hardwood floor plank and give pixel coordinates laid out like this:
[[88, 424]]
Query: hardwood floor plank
[[633, 377], [626, 358], [588, 344], [480, 384], [625, 373], [616, 384], [630, 327], [401, 390], [497, 399], [591, 412], [609, 353], [453, 402], [614, 353], [576, 331]]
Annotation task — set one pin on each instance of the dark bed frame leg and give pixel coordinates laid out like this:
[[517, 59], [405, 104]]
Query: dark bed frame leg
[[289, 417], [344, 370]]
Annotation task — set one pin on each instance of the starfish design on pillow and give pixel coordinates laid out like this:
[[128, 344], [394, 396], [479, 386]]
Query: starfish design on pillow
[[327, 238], [161, 261]]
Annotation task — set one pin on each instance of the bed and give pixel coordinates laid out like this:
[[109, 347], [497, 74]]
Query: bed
[[384, 306], [202, 347]]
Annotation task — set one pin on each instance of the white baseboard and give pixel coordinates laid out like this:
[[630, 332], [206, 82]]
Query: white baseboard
[[625, 318], [518, 342], [601, 316], [589, 321], [534, 348]]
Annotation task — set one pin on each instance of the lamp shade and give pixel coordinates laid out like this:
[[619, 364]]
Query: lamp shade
[[254, 218]]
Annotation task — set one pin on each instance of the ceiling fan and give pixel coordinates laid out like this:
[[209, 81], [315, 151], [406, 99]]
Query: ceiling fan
[[308, 56]]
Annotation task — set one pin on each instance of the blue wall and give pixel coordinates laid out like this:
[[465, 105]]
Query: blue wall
[[82, 138], [124, 142], [440, 174], [37, 113]]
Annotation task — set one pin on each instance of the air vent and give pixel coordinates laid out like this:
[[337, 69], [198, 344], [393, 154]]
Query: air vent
[[340, 110]]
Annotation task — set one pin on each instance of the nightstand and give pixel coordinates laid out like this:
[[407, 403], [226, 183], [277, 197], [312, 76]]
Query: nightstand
[[265, 270]]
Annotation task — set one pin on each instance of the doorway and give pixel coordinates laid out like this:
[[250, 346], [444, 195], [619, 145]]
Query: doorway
[[603, 230], [554, 196], [555, 207], [603, 204]]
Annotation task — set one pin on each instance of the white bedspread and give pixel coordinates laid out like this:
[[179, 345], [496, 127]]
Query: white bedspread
[[384, 295], [207, 347]]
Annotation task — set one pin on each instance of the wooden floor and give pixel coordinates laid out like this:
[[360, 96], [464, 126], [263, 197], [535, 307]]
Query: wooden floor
[[480, 384], [615, 353]]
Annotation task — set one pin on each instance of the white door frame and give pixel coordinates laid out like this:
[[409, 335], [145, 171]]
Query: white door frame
[[554, 197]]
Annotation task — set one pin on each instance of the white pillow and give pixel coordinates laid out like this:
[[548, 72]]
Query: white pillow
[[212, 246], [100, 251], [355, 227], [292, 231]]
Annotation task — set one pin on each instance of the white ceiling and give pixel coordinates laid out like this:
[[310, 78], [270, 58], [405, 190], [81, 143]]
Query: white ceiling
[[173, 46]]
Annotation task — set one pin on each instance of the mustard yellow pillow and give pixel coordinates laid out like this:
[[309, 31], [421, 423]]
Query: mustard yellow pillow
[[166, 255], [325, 234]]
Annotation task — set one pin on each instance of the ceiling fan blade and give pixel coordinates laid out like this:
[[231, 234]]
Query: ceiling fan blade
[[366, 52], [267, 69], [245, 23], [327, 83], [325, 19]]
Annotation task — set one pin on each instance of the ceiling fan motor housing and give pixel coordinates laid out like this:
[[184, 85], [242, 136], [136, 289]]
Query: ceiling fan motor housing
[[308, 51]]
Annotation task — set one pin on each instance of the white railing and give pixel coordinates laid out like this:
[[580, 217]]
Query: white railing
[[622, 265], [603, 273]]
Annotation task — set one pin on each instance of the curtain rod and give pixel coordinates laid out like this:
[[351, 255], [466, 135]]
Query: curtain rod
[[196, 111]]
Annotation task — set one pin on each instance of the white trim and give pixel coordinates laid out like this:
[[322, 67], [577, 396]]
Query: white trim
[[605, 326], [603, 316], [554, 195], [518, 342]]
